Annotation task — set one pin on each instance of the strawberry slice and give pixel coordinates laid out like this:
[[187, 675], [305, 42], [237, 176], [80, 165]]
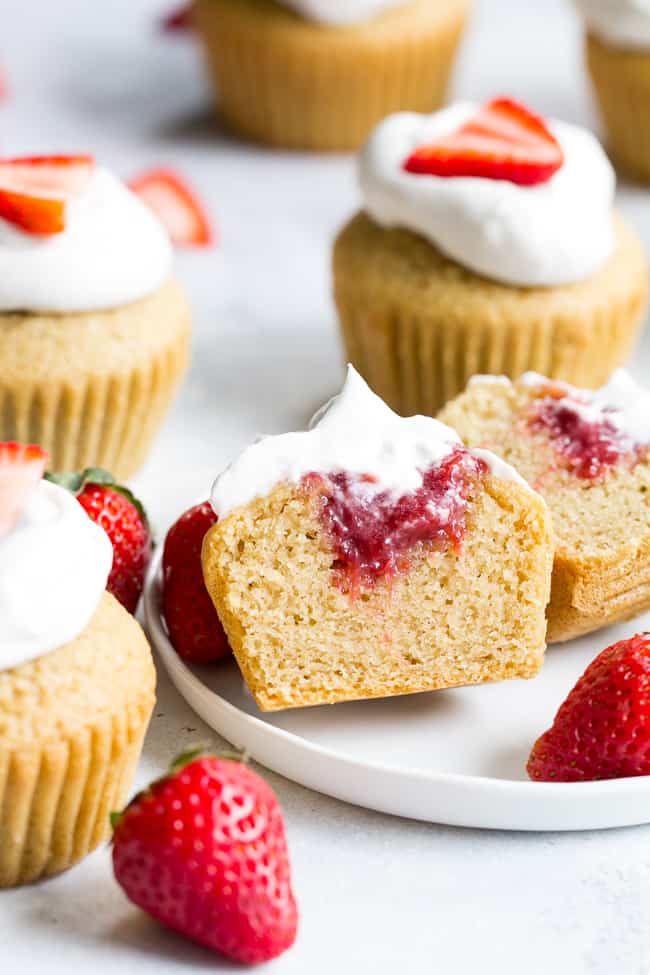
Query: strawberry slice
[[21, 468], [503, 141], [176, 206], [35, 190], [179, 19]]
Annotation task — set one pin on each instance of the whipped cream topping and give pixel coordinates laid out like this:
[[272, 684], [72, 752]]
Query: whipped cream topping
[[621, 23], [54, 565], [621, 401], [113, 251], [355, 432], [341, 12], [553, 233]]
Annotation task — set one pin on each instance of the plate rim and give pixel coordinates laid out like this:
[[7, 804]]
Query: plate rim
[[585, 793]]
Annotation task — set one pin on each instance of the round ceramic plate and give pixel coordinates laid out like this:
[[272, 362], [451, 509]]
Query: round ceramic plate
[[455, 756]]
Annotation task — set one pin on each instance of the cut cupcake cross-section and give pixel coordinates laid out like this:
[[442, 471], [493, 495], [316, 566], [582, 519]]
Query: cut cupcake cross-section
[[588, 453], [374, 555]]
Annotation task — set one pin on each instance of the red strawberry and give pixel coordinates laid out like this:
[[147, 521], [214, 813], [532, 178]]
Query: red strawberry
[[192, 621], [35, 190], [204, 852], [602, 731], [503, 141], [178, 19], [124, 520], [176, 206], [21, 468]]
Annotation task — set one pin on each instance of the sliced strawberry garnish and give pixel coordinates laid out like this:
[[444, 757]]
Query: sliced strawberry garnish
[[21, 468], [179, 19], [35, 190], [503, 141], [176, 206]]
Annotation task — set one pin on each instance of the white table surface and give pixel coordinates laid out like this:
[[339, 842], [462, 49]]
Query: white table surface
[[377, 895]]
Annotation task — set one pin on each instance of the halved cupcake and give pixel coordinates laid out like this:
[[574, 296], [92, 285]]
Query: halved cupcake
[[487, 243], [94, 330], [588, 454], [77, 679], [373, 556], [318, 74]]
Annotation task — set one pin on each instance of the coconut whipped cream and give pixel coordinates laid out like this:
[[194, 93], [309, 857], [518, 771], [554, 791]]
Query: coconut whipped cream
[[113, 251], [554, 233], [341, 12], [355, 432], [621, 23], [621, 401], [54, 565]]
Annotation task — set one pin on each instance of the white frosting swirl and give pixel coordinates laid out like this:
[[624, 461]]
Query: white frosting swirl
[[621, 23], [113, 251], [355, 432], [341, 12], [54, 565], [554, 233]]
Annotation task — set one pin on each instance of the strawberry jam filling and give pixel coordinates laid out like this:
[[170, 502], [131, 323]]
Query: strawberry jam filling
[[587, 447], [372, 532]]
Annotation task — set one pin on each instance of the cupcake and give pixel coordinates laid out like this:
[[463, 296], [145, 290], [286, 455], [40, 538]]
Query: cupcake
[[588, 454], [76, 677], [94, 330], [487, 243], [617, 47], [372, 556], [318, 74]]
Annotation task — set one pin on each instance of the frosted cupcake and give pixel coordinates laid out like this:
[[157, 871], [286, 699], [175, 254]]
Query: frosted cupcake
[[487, 244], [94, 330], [618, 56], [374, 555], [588, 454], [318, 74], [76, 677]]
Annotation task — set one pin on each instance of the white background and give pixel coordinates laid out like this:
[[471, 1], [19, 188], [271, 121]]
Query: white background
[[377, 895]]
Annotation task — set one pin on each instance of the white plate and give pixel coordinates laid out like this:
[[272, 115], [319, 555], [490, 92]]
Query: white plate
[[455, 757]]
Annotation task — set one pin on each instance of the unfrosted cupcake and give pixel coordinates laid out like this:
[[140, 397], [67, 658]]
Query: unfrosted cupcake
[[76, 677], [487, 243], [318, 74], [618, 57], [94, 330]]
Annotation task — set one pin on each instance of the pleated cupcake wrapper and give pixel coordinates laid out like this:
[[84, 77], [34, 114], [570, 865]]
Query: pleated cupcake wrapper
[[105, 421], [316, 93], [55, 803], [418, 363], [622, 83]]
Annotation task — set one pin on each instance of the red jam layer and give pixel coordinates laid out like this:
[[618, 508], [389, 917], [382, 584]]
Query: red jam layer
[[372, 533], [588, 448]]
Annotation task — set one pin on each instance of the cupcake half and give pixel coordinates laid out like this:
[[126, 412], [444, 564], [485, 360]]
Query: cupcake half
[[77, 679], [374, 555], [617, 48], [487, 243], [588, 454], [94, 330], [318, 74]]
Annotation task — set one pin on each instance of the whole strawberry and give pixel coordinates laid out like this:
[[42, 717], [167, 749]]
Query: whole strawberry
[[124, 520], [192, 621], [204, 852], [602, 731]]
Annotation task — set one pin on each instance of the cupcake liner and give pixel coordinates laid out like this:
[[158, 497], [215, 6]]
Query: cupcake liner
[[56, 795], [93, 388], [286, 81], [417, 326], [621, 80]]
